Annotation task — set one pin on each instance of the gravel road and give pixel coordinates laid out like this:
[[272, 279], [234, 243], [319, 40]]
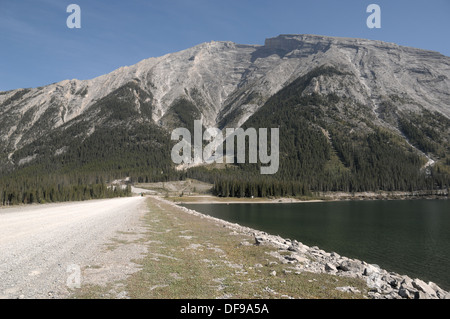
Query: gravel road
[[46, 249]]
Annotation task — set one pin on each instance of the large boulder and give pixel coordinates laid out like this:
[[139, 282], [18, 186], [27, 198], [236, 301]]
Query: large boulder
[[375, 279], [335, 255], [406, 289], [393, 280], [440, 293], [371, 270], [261, 239], [300, 259], [407, 293], [329, 267], [299, 248], [421, 286], [352, 266]]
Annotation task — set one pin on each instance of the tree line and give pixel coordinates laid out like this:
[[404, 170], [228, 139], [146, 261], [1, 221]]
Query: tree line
[[24, 190]]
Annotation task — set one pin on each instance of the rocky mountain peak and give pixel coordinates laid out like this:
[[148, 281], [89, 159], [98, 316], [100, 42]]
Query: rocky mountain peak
[[226, 83]]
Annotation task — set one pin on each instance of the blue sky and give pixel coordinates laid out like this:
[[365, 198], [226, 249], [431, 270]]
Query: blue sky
[[37, 48]]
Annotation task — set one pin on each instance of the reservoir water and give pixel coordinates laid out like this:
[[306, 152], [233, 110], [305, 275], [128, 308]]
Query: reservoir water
[[408, 237]]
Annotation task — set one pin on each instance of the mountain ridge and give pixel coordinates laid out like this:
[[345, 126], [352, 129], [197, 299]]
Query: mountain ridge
[[356, 84]]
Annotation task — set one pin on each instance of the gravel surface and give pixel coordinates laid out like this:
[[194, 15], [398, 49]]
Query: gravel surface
[[46, 251]]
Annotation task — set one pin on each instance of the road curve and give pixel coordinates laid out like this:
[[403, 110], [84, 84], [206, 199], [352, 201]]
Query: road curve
[[41, 246]]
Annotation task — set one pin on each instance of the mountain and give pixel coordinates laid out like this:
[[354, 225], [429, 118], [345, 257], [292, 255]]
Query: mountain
[[347, 94]]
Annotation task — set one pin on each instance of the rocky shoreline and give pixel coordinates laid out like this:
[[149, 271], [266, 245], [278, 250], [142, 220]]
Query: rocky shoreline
[[381, 283], [385, 195]]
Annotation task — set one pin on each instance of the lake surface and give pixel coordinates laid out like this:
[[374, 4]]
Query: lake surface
[[408, 237]]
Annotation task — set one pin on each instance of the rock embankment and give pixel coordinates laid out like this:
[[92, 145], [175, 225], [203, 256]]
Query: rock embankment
[[381, 283]]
